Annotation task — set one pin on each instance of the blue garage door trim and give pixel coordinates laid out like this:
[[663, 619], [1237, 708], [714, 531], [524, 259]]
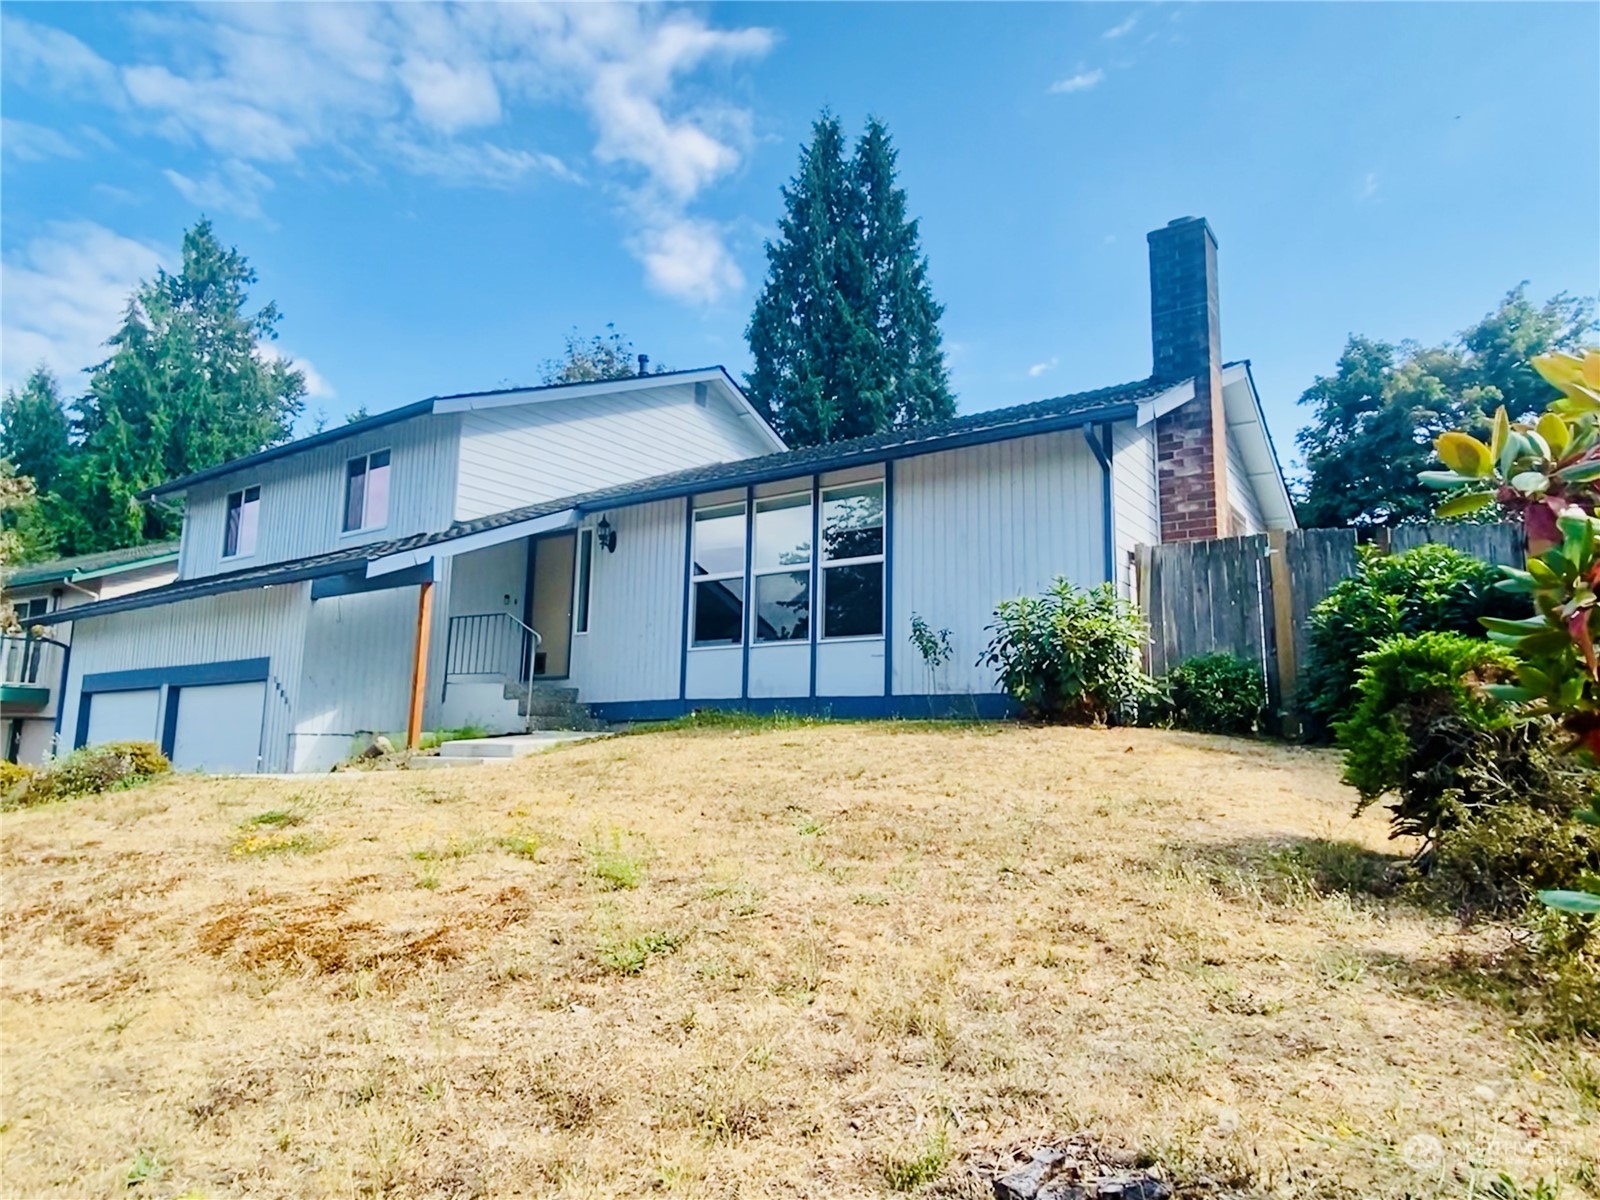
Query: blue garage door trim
[[238, 670]]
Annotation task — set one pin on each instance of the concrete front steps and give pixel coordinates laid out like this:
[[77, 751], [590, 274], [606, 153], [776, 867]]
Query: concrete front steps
[[549, 706], [475, 752]]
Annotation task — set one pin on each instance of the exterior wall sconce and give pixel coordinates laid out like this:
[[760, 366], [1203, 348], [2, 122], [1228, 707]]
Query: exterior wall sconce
[[605, 535]]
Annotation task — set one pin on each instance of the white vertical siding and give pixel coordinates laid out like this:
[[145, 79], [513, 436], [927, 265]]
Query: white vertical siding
[[356, 674], [633, 647], [302, 497], [1135, 499], [1242, 501], [976, 526], [526, 453], [265, 623]]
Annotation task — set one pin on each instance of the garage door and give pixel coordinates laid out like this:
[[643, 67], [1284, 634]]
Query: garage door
[[219, 728], [123, 716]]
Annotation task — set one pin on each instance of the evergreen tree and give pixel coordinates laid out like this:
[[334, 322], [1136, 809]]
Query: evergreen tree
[[588, 360], [34, 431], [845, 331], [186, 387], [1376, 417]]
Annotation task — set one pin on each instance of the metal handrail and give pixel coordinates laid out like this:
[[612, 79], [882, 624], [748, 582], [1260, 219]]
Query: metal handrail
[[494, 645]]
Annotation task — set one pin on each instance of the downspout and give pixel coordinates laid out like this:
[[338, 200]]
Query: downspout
[[1102, 455]]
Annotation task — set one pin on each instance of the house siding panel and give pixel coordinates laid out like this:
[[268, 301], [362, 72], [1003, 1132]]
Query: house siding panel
[[635, 641], [1135, 497], [526, 453], [1244, 507], [269, 623], [302, 497], [356, 674], [976, 526]]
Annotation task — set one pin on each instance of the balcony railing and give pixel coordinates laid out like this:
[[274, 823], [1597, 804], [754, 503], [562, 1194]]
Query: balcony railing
[[29, 668], [489, 648]]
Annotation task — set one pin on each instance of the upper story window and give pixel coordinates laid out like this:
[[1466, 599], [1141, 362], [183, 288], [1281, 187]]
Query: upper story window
[[244, 517], [852, 560], [366, 492], [718, 575]]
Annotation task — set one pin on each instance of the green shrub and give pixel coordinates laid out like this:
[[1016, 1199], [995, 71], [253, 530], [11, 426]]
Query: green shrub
[[1430, 589], [89, 770], [1071, 654], [11, 775], [1485, 788], [1217, 693]]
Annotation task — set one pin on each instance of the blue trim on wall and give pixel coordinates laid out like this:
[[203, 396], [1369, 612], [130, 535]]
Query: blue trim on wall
[[239, 670], [169, 722], [688, 596], [985, 707], [749, 614], [354, 583], [1101, 447], [815, 619], [888, 578]]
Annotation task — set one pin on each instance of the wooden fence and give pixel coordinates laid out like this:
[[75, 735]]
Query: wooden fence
[[1251, 596]]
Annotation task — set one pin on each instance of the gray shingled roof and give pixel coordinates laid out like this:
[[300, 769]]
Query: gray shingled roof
[[1081, 408], [33, 574]]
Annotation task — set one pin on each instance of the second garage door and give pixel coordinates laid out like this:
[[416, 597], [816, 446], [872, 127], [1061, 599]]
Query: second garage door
[[219, 728]]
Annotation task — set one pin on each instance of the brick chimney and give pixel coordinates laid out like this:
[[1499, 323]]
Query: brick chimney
[[1186, 340]]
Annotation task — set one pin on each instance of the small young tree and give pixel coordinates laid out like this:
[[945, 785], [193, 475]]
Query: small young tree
[[607, 355]]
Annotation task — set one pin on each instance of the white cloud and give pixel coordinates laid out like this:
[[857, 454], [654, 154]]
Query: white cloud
[[235, 187], [1081, 82], [1039, 368], [450, 98], [317, 386], [1122, 27], [686, 259], [27, 142], [266, 87], [1369, 186], [63, 293]]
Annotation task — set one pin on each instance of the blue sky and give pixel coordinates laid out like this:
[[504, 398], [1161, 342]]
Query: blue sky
[[434, 195]]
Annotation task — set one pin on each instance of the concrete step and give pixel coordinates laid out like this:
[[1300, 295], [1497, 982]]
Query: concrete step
[[543, 691], [541, 705], [579, 720], [516, 745]]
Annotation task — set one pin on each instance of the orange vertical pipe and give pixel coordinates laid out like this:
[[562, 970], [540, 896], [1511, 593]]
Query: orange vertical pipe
[[419, 666]]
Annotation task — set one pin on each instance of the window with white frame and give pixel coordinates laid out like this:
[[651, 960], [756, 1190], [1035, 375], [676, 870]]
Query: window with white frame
[[242, 521], [852, 560], [366, 492], [717, 566], [780, 569]]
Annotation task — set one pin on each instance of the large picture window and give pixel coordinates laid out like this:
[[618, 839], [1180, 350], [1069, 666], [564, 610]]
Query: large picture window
[[781, 568], [852, 560], [718, 576], [243, 520], [366, 492]]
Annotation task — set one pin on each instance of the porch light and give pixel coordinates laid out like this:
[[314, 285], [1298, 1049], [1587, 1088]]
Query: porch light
[[605, 535]]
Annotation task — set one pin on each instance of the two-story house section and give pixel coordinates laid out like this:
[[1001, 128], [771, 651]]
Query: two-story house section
[[649, 546], [273, 650]]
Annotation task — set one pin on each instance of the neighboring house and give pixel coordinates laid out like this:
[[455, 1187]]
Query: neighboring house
[[31, 665], [650, 543]]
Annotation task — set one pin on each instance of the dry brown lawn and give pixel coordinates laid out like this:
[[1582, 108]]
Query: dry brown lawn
[[800, 961]]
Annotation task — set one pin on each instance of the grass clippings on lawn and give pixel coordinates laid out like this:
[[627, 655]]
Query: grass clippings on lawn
[[807, 960]]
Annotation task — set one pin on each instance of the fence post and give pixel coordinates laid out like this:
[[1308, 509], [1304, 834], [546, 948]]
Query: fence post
[[1283, 627], [1143, 566]]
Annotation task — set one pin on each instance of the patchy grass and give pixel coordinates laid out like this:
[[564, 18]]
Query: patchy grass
[[432, 739], [911, 945]]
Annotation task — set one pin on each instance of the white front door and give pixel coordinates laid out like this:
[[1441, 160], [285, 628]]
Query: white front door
[[219, 728]]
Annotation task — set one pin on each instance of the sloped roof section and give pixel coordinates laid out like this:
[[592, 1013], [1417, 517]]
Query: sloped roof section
[[1043, 416], [84, 566]]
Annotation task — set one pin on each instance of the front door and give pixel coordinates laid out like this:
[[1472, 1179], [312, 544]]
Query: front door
[[550, 602]]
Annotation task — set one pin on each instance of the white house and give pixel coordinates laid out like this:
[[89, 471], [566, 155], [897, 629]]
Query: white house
[[649, 544], [31, 666]]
